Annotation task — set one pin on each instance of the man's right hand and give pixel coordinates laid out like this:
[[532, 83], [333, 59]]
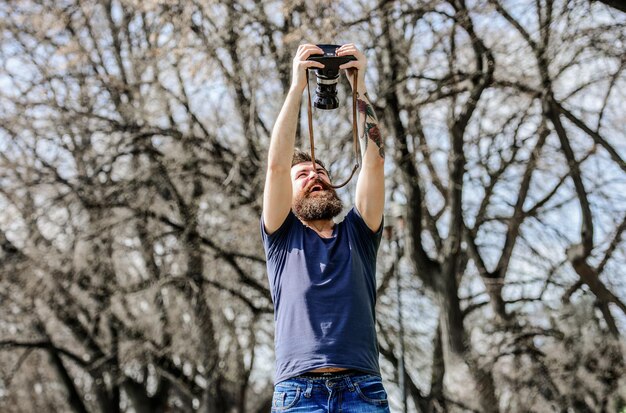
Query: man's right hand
[[301, 64]]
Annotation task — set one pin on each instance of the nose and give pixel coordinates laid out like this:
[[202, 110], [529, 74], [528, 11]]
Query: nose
[[312, 175]]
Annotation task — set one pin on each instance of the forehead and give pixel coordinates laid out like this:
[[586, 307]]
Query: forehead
[[307, 167]]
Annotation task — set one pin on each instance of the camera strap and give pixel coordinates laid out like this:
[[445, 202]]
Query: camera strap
[[355, 133]]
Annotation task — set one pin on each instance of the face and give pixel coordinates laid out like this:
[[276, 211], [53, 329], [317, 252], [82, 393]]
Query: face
[[313, 196]]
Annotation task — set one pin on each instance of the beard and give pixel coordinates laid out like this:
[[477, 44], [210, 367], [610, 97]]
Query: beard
[[317, 205]]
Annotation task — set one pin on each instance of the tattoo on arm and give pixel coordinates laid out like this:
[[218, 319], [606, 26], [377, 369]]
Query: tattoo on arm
[[370, 130]]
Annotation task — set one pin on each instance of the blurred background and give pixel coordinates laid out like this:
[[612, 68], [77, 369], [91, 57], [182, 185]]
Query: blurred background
[[133, 138]]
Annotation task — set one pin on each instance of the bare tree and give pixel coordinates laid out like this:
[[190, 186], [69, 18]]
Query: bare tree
[[132, 140]]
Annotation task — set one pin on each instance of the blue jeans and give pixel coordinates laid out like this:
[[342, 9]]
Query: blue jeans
[[348, 393]]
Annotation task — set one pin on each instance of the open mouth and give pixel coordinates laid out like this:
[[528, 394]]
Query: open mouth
[[316, 188]]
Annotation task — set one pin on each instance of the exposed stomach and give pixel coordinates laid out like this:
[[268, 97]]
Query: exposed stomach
[[327, 370]]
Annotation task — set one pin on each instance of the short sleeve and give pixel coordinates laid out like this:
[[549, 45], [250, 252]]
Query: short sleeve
[[271, 240], [362, 237], [355, 218]]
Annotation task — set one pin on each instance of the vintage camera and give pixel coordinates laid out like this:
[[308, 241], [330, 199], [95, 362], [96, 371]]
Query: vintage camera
[[327, 77]]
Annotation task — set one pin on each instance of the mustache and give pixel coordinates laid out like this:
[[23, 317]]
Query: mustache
[[317, 181]]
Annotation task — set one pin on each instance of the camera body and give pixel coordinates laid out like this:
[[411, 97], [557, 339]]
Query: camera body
[[327, 77]]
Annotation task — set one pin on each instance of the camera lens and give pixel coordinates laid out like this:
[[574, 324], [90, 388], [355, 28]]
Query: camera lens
[[326, 92]]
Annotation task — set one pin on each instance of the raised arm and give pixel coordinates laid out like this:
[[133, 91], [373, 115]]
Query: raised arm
[[370, 187], [277, 193]]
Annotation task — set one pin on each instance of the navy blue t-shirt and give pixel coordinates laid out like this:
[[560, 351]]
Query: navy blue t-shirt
[[324, 292]]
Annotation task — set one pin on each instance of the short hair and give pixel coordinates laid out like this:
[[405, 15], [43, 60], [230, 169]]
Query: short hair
[[301, 156]]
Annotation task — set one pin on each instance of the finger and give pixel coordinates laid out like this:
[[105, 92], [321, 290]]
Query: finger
[[306, 54], [312, 50], [303, 48], [353, 63], [349, 48], [309, 46], [312, 63], [305, 58], [351, 52]]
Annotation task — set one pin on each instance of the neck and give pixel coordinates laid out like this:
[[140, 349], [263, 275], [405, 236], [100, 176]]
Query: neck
[[320, 225]]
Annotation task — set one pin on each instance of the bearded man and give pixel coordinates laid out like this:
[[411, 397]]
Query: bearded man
[[322, 273]]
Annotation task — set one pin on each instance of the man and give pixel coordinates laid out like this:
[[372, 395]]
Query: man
[[322, 273]]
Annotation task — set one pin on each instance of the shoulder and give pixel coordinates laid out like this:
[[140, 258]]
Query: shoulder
[[355, 220], [290, 224]]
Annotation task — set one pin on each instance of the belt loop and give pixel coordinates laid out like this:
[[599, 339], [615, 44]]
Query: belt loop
[[309, 388], [348, 380]]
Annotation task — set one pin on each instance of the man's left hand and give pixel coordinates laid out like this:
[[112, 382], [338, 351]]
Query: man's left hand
[[359, 64]]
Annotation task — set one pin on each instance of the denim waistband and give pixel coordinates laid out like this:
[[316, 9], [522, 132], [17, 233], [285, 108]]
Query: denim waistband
[[336, 382]]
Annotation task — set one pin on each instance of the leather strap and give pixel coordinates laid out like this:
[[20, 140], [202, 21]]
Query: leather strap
[[355, 133]]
